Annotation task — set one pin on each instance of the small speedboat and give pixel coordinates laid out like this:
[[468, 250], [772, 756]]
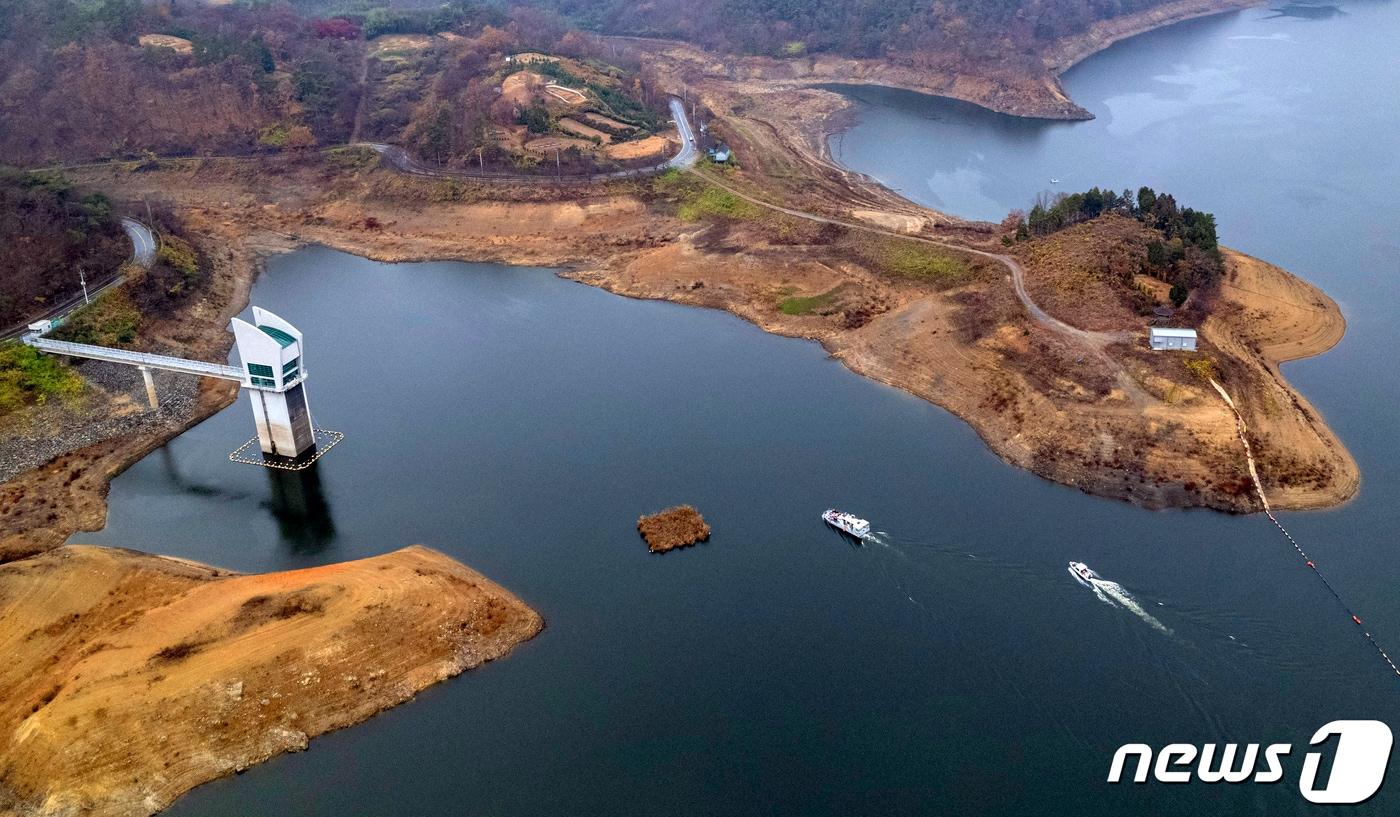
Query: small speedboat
[[1082, 573], [847, 523]]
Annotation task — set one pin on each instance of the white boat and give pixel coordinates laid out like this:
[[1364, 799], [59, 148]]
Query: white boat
[[846, 523], [1082, 573]]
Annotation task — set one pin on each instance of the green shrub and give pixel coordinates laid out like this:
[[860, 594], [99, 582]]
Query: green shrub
[[1202, 367], [350, 158], [29, 377], [806, 305], [913, 259], [111, 320], [179, 255], [274, 135], [717, 202]]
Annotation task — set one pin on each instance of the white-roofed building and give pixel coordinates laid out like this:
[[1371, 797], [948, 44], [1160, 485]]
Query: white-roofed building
[[1166, 338]]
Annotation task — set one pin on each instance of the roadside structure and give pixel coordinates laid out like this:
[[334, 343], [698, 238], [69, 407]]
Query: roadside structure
[[1167, 338]]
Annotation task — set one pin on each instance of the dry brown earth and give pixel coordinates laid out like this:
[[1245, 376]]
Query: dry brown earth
[[129, 679]]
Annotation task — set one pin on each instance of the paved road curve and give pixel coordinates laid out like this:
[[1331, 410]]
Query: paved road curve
[[689, 152], [143, 252], [143, 243]]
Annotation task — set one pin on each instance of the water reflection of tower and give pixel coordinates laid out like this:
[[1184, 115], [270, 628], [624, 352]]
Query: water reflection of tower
[[300, 508]]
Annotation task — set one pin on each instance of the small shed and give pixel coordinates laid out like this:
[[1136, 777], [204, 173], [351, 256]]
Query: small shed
[[719, 154], [1162, 338]]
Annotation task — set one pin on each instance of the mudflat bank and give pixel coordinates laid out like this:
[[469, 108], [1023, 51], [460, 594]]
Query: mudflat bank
[[129, 679]]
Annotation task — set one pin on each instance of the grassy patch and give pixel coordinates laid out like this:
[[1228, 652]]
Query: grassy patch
[[913, 259], [111, 320], [806, 305], [178, 253], [28, 377], [696, 200], [1202, 367], [714, 201], [275, 135], [350, 158]]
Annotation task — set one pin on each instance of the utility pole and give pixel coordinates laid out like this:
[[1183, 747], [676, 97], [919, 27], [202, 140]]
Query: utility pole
[[83, 280], [558, 171], [480, 162]]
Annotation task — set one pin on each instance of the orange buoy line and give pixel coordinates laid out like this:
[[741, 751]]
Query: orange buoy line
[[1263, 500]]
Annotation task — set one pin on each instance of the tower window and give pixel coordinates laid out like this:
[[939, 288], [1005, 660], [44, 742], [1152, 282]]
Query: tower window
[[259, 370]]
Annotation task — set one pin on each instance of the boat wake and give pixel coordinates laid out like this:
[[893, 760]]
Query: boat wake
[[1114, 595]]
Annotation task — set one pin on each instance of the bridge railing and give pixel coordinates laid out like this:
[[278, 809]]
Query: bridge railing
[[152, 361]]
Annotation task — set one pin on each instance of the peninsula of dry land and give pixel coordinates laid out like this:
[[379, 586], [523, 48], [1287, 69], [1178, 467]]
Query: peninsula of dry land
[[129, 679]]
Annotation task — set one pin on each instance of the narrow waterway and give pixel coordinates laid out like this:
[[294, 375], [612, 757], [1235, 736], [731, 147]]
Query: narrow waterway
[[521, 423]]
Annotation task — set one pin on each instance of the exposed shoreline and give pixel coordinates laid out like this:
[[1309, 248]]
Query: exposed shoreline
[[1104, 34], [606, 238], [1014, 92], [227, 693], [259, 238], [133, 678]]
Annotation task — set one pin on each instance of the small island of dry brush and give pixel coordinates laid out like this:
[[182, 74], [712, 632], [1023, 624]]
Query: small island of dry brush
[[673, 528]]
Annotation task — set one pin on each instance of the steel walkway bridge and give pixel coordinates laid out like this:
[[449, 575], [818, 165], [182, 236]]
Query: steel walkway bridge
[[140, 359]]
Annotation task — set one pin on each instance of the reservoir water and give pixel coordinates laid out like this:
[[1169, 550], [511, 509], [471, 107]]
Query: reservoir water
[[521, 423]]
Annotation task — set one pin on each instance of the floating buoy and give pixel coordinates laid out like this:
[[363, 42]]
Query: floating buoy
[[1313, 566], [1357, 620]]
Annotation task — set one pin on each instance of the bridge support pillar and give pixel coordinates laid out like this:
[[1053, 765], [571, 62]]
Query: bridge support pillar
[[150, 386]]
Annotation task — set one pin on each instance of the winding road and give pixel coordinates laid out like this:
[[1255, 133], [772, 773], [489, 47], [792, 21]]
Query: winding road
[[1097, 340], [143, 252], [143, 242], [689, 152], [1095, 343]]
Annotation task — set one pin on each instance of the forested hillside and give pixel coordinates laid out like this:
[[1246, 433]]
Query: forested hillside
[[96, 79], [84, 78], [906, 29], [1170, 243], [109, 78], [51, 232]]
